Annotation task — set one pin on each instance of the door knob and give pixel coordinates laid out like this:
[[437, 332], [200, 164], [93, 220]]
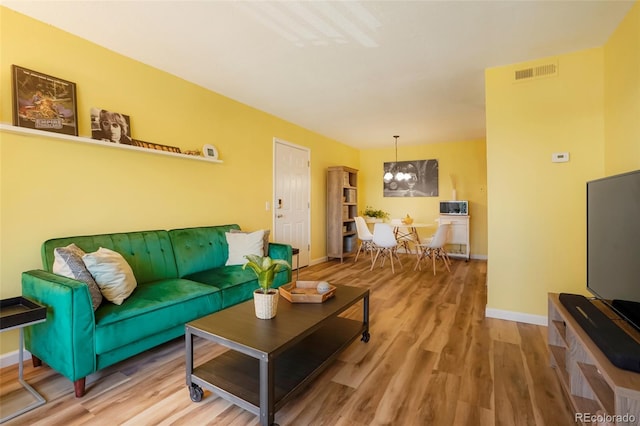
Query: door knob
[[280, 215]]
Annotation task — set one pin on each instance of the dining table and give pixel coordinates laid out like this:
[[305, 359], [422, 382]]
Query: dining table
[[407, 233]]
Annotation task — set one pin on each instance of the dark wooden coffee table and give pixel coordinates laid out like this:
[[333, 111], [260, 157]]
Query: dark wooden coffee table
[[271, 360]]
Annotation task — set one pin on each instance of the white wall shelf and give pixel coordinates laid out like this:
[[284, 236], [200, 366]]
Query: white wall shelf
[[8, 128]]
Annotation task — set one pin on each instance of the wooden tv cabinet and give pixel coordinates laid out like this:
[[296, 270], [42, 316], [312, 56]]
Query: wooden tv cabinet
[[595, 387]]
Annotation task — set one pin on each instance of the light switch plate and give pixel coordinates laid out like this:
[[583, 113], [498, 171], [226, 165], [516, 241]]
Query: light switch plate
[[560, 157]]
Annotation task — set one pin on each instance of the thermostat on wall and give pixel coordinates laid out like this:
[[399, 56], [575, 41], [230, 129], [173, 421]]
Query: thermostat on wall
[[560, 157], [210, 151]]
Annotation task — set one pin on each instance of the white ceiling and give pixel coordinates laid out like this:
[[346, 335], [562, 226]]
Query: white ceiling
[[358, 72]]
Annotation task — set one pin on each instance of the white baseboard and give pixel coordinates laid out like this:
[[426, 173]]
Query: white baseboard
[[11, 358], [455, 256], [479, 256], [516, 316], [324, 259], [318, 261]]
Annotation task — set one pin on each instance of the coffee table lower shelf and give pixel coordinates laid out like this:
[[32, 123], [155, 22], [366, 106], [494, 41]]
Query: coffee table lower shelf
[[236, 376]]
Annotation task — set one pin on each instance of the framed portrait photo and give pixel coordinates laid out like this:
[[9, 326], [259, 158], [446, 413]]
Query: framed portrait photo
[[43, 102], [110, 126]]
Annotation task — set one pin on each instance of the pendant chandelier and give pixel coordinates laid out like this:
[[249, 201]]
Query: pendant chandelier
[[395, 173]]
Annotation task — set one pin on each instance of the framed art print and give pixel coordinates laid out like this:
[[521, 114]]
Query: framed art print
[[418, 178], [43, 102]]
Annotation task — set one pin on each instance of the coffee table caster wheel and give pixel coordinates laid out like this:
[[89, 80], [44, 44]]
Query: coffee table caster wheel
[[365, 336], [196, 392]]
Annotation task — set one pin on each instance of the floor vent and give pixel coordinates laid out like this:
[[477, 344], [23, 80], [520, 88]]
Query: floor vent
[[535, 72]]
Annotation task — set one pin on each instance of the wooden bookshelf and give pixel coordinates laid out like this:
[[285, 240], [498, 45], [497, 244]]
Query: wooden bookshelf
[[342, 208]]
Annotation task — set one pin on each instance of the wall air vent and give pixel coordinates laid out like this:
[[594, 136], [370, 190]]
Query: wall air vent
[[535, 72]]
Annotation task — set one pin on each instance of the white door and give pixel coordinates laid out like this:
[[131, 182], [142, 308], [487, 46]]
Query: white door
[[291, 198]]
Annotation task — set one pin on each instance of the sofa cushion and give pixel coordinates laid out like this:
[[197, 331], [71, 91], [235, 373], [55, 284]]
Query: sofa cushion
[[112, 273], [149, 253], [235, 284], [201, 248], [242, 244], [68, 263], [153, 308]]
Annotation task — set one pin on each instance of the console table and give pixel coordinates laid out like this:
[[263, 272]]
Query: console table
[[19, 312], [296, 252]]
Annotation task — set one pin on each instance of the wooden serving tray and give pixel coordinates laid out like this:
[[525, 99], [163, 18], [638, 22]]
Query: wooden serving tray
[[305, 292]]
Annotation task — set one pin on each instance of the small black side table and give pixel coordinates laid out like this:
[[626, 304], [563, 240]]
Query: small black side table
[[20, 312], [296, 252]]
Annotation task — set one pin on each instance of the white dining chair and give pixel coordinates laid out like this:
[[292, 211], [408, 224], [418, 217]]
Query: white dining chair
[[365, 238], [434, 249], [385, 245], [404, 234]]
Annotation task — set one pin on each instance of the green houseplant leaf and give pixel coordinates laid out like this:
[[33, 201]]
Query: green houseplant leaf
[[378, 214], [265, 269]]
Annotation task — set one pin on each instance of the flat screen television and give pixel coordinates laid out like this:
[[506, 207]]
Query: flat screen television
[[613, 243]]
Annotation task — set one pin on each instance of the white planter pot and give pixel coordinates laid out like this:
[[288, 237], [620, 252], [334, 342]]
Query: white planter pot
[[266, 304]]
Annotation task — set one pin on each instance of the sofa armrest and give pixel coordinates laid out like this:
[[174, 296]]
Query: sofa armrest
[[65, 341], [281, 251]]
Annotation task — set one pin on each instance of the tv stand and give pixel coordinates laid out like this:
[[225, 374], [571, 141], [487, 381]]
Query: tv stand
[[593, 384], [621, 349]]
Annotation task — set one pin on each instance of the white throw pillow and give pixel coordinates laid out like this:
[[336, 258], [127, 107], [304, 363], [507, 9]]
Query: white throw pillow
[[112, 273], [242, 244], [68, 263], [265, 239]]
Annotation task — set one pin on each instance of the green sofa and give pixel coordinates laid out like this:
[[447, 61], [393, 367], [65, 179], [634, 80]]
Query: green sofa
[[181, 276]]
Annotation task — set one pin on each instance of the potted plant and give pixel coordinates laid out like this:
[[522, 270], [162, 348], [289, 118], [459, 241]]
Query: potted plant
[[373, 215], [265, 298]]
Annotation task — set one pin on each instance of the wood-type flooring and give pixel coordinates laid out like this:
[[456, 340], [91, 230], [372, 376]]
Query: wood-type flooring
[[433, 359]]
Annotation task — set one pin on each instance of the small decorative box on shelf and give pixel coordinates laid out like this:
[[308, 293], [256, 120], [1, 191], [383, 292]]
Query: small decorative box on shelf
[[18, 311], [305, 292]]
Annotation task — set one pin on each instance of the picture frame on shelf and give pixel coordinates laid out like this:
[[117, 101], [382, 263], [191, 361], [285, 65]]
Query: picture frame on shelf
[[43, 102], [110, 126], [210, 151]]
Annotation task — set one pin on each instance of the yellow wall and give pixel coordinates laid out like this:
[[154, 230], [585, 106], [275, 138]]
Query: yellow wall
[[536, 220], [536, 207], [466, 161], [622, 96], [52, 188]]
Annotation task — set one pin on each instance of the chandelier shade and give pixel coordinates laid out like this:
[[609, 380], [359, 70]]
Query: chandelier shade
[[395, 173]]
